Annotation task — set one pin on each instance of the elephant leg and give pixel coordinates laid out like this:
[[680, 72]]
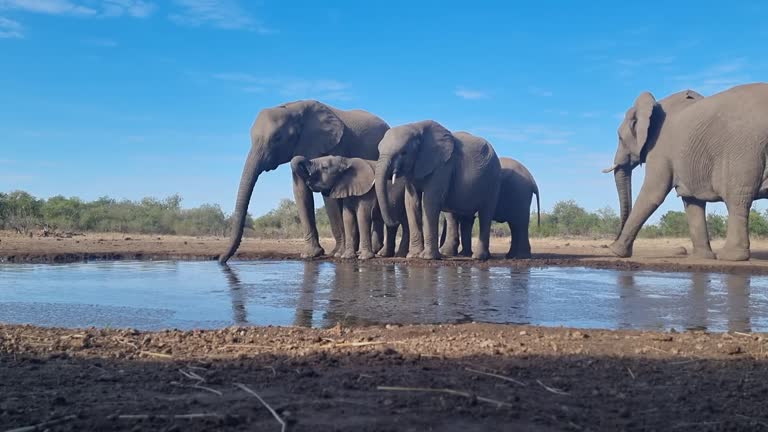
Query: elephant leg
[[451, 246], [697, 224], [512, 242], [522, 240], [389, 242], [377, 234], [431, 203], [465, 224], [333, 207], [350, 227], [365, 230], [737, 235], [655, 188], [402, 249], [413, 214], [306, 205], [484, 217]]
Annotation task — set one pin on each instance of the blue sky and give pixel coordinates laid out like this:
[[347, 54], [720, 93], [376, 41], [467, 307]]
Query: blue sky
[[134, 98]]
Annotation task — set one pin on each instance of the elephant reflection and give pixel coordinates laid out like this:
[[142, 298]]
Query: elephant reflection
[[237, 293], [694, 310]]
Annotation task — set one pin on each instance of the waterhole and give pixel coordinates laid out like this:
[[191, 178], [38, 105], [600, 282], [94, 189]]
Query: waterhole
[[187, 295]]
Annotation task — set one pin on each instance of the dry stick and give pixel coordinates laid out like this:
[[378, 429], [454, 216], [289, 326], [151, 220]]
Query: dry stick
[[632, 374], [743, 334], [552, 389], [244, 345], [502, 377], [277, 417], [359, 344], [756, 420], [154, 354], [43, 425], [657, 349], [443, 390], [176, 416]]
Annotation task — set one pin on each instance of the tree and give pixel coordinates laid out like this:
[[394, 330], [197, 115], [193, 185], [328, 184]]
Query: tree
[[674, 224]]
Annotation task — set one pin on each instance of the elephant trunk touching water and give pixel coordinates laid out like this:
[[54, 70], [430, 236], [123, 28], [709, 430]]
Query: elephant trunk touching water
[[251, 171]]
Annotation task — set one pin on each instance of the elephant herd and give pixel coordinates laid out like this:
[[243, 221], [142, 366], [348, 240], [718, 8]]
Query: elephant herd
[[375, 178]]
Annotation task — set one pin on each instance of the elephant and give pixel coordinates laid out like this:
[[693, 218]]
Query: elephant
[[306, 128], [710, 149], [456, 173], [351, 181], [513, 207]]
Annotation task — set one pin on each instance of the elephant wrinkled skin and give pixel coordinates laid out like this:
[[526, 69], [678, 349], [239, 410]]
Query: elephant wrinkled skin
[[456, 173], [710, 149], [351, 181], [304, 128]]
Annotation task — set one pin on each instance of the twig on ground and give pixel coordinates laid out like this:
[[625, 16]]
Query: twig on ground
[[44, 425], [632, 374], [360, 344], [743, 334], [657, 349], [763, 423], [361, 376], [552, 389], [246, 346], [155, 354], [501, 377], [277, 417], [166, 416], [444, 390], [272, 368], [682, 362], [198, 385]]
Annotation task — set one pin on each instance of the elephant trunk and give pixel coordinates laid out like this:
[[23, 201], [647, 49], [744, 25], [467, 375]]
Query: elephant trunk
[[251, 173], [382, 187], [623, 177]]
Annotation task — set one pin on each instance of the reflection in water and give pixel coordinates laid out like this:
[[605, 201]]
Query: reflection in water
[[236, 291], [710, 300], [152, 295]]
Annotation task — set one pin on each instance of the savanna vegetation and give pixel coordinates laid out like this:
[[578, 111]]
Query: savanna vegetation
[[24, 213]]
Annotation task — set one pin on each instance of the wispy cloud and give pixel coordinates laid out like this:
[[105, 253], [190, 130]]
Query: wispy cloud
[[223, 14], [646, 61], [537, 91], [532, 134], [51, 7], [299, 88], [715, 78], [133, 8], [10, 29], [470, 94]]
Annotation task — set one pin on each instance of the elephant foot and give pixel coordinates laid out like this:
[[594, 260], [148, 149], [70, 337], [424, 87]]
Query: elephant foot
[[733, 254], [465, 253], [348, 255], [620, 251], [401, 253], [481, 256], [414, 253], [386, 254], [430, 255], [518, 255], [312, 252], [448, 252], [703, 254], [364, 255]]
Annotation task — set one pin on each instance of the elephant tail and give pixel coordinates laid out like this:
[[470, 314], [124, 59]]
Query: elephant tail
[[443, 234], [538, 206]]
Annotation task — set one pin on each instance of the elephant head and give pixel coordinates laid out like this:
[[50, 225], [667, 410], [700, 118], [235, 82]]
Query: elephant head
[[335, 176], [308, 128], [412, 151], [638, 134]]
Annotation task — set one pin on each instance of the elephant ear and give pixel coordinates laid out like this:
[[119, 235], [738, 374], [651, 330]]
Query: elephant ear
[[356, 180], [436, 148], [321, 130], [640, 122]]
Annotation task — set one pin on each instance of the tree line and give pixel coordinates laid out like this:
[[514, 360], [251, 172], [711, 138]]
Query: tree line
[[23, 213]]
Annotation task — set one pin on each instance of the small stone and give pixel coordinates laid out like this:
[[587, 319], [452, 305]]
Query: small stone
[[523, 333]]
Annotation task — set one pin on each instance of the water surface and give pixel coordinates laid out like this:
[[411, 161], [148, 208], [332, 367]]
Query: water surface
[[155, 295]]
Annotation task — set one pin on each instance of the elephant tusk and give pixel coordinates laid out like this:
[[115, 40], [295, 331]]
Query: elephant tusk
[[394, 175], [611, 169]]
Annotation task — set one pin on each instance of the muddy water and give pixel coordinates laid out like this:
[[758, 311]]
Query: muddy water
[[186, 295]]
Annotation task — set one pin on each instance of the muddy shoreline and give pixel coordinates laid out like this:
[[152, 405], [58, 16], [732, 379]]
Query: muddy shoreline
[[667, 255], [469, 377]]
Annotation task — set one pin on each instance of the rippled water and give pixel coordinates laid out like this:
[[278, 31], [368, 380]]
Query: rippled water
[[186, 295]]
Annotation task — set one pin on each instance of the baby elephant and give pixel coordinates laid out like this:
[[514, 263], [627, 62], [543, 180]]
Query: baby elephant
[[351, 181], [513, 207]]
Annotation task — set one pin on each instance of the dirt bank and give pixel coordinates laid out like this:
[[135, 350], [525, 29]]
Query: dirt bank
[[656, 254], [480, 377]]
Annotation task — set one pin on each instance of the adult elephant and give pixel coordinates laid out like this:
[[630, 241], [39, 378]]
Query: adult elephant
[[517, 188], [709, 149], [456, 173], [304, 128]]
